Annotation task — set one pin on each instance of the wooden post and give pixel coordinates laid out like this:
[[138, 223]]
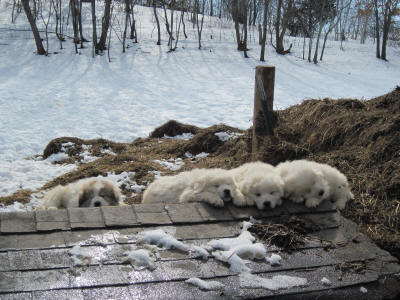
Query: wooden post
[[263, 118]]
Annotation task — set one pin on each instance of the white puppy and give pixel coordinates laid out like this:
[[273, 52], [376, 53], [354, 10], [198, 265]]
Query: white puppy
[[260, 184], [214, 186], [340, 191], [303, 181], [88, 192]]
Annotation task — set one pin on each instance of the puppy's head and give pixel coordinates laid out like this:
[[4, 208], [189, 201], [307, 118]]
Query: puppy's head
[[264, 191], [341, 192], [218, 182], [99, 192], [319, 188]]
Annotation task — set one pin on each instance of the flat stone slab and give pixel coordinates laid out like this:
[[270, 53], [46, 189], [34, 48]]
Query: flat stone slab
[[86, 217], [17, 222], [119, 216]]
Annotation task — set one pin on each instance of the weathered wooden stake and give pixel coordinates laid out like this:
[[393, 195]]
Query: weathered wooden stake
[[263, 118]]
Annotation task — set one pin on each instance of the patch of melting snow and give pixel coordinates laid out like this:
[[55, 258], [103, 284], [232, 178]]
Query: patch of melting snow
[[205, 285], [225, 136], [140, 259], [363, 290], [277, 282], [80, 256], [199, 252], [171, 164], [326, 281], [160, 238], [274, 260], [184, 136], [126, 179], [157, 174]]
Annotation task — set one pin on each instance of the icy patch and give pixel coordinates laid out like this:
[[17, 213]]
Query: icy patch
[[274, 260], [199, 252], [225, 136], [126, 180], [79, 256], [140, 259], [278, 282], [205, 285], [184, 136], [363, 290], [160, 238], [326, 281], [171, 164]]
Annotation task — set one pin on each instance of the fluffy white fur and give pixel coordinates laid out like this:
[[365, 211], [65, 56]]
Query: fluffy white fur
[[304, 181], [260, 184], [88, 192], [339, 187], [214, 186]]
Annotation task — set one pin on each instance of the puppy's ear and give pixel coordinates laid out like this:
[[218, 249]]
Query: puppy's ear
[[84, 197], [200, 185], [244, 186]]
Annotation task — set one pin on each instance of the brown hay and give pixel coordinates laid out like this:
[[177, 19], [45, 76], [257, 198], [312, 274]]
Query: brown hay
[[173, 128]]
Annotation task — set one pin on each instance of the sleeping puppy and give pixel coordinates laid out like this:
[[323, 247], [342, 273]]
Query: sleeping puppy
[[303, 181], [88, 192], [214, 186], [340, 191], [260, 184]]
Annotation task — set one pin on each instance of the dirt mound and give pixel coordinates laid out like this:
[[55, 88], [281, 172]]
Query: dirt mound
[[360, 138], [173, 128]]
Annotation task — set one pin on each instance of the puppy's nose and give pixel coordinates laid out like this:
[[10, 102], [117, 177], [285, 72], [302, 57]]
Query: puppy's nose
[[267, 204], [97, 204], [321, 192], [227, 193]]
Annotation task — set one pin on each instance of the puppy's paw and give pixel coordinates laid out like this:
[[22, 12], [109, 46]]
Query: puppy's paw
[[215, 202], [312, 202], [239, 200], [296, 199]]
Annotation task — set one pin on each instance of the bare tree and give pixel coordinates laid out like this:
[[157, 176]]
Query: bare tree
[[101, 45], [157, 22], [199, 26], [283, 13], [35, 31], [94, 29], [264, 29], [390, 9]]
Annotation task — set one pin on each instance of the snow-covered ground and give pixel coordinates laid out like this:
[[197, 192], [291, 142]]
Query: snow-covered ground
[[65, 94]]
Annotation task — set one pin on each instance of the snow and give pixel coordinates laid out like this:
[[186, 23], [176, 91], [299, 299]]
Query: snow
[[205, 285], [274, 260], [326, 281], [65, 94], [140, 259], [277, 282], [171, 164], [79, 256], [363, 290], [199, 252], [245, 238], [184, 136], [160, 238], [225, 136]]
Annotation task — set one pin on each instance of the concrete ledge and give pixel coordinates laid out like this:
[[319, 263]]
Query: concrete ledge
[[18, 222], [86, 217]]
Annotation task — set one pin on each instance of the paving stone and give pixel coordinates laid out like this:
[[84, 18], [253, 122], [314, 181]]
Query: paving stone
[[209, 213], [44, 279], [8, 242], [119, 215], [18, 222], [149, 208], [118, 292], [16, 296], [171, 291], [161, 218], [207, 231], [88, 237], [86, 217], [183, 213], [40, 241], [55, 258], [4, 262], [244, 213], [98, 276], [69, 294], [133, 276], [25, 260], [9, 282], [54, 219]]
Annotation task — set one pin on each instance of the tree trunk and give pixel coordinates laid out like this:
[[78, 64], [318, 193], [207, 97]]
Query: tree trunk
[[104, 26], [264, 30], [157, 22], [35, 31], [94, 29], [378, 53], [127, 13]]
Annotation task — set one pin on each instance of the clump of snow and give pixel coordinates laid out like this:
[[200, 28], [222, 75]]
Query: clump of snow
[[363, 290], [86, 156], [157, 174], [140, 259], [274, 260], [225, 136], [245, 238], [197, 156], [80, 256], [171, 164], [205, 285], [246, 225], [160, 238], [184, 136], [199, 252], [126, 180], [277, 282], [62, 155], [326, 281], [101, 239]]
